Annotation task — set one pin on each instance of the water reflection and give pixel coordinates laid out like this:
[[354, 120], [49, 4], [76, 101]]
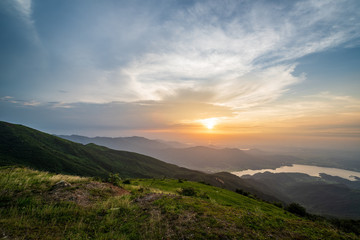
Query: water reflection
[[310, 170]]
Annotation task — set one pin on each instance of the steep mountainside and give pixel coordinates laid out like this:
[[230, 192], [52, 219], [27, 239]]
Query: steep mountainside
[[28, 147]]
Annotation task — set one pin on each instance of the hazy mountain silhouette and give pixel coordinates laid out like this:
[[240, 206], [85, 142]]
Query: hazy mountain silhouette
[[121, 143], [199, 157]]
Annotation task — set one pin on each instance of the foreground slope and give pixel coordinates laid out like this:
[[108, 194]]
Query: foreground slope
[[40, 205], [28, 147]]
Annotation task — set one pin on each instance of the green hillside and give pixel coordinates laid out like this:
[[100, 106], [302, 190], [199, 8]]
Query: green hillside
[[40, 205], [20, 145], [26, 146]]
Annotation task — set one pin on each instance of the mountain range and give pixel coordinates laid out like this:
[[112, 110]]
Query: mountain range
[[20, 145], [202, 158]]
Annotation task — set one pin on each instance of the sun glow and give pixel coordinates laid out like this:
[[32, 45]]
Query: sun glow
[[209, 123]]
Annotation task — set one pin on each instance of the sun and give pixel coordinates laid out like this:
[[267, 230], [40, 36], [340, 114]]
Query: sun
[[209, 123]]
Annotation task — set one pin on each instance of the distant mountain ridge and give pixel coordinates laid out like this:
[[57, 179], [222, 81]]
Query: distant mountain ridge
[[201, 158], [20, 145], [119, 143]]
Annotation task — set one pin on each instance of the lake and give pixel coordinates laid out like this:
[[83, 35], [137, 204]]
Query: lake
[[307, 169]]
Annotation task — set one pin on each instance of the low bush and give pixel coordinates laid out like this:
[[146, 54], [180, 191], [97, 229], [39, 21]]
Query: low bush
[[297, 209], [242, 192], [127, 181], [188, 191]]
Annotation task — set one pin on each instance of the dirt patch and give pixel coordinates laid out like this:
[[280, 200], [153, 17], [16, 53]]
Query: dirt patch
[[149, 198], [153, 197], [83, 194]]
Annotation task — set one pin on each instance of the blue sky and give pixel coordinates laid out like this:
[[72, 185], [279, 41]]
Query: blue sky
[[149, 67]]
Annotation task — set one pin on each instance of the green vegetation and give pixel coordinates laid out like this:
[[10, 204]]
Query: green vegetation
[[297, 209], [40, 205]]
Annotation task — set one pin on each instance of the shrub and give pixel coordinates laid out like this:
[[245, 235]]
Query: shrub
[[242, 192], [296, 209], [188, 191], [127, 181], [278, 204], [114, 178]]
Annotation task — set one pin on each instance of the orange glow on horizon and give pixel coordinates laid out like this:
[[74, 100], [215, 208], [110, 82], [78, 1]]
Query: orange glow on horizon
[[209, 123]]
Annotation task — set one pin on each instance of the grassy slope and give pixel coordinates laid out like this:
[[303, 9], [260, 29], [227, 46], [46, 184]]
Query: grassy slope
[[27, 212], [28, 147]]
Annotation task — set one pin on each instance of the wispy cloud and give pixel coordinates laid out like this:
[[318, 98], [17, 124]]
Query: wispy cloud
[[243, 55], [31, 103], [24, 7]]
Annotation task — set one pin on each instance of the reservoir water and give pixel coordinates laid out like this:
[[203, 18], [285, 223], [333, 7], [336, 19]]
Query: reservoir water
[[307, 169]]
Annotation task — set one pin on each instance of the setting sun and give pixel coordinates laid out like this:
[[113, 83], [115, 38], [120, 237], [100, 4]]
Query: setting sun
[[209, 123]]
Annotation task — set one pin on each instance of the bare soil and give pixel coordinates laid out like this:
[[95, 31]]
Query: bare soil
[[83, 194]]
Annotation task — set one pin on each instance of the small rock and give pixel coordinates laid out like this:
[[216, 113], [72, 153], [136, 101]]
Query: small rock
[[62, 184]]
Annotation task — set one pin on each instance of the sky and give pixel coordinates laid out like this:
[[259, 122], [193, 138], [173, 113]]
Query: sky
[[234, 73]]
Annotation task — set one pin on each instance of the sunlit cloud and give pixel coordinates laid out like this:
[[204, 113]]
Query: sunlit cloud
[[234, 58], [230, 66]]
